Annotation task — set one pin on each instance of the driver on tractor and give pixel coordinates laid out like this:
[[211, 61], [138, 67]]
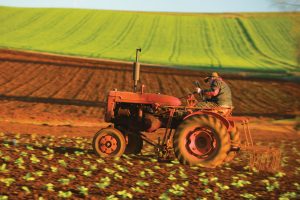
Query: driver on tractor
[[218, 96]]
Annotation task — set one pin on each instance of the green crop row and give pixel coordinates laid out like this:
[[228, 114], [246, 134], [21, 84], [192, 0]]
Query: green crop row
[[249, 41]]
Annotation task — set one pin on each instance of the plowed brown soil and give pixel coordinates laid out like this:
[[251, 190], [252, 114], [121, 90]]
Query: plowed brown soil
[[43, 94], [33, 85]]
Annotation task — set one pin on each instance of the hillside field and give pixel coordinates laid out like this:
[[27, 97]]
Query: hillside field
[[248, 41]]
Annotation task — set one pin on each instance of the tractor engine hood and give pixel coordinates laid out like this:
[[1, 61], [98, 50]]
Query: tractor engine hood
[[145, 98]]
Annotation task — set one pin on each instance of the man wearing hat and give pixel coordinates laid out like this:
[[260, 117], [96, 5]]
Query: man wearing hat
[[218, 95]]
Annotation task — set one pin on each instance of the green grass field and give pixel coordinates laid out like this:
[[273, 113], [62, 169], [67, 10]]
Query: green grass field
[[248, 41]]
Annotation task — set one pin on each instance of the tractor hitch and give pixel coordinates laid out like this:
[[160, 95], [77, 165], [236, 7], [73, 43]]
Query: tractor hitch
[[262, 158]]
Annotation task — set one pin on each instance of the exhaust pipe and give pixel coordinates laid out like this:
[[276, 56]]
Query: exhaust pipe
[[136, 69]]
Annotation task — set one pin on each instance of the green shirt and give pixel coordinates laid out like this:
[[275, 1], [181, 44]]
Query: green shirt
[[223, 97]]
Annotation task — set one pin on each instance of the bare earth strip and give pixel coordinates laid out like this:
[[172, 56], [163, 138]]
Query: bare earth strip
[[59, 95], [48, 87]]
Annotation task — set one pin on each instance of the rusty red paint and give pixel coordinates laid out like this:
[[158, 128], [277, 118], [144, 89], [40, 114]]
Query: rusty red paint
[[145, 98], [139, 98], [108, 144]]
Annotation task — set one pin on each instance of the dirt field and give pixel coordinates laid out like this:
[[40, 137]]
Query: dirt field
[[58, 162], [42, 95], [34, 85]]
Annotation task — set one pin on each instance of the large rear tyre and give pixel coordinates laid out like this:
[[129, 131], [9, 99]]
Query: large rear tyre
[[109, 142], [134, 145], [235, 142], [202, 140]]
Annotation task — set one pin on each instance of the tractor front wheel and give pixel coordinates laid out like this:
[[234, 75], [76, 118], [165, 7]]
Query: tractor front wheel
[[109, 142], [201, 140]]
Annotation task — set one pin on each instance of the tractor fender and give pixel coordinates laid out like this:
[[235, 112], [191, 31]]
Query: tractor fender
[[220, 117]]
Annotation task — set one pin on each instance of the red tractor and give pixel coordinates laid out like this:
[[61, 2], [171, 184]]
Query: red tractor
[[207, 137]]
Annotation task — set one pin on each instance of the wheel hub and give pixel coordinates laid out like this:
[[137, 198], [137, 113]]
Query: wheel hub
[[108, 144], [201, 142]]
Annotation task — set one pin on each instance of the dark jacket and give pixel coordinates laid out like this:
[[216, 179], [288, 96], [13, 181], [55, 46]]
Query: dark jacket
[[219, 92]]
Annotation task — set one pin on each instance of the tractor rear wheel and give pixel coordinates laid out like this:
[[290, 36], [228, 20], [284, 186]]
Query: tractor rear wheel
[[201, 140], [134, 145], [109, 142], [235, 141]]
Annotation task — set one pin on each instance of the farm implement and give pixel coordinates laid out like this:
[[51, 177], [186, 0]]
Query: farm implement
[[195, 136]]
